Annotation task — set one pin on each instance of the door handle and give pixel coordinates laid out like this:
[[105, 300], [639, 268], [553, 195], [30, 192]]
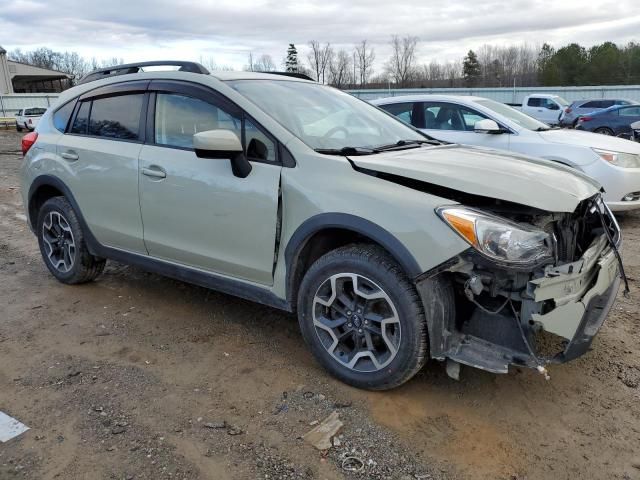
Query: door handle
[[154, 171], [70, 155]]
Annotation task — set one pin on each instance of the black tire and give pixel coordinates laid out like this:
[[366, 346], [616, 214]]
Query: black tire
[[84, 267], [604, 131], [374, 264], [18, 127]]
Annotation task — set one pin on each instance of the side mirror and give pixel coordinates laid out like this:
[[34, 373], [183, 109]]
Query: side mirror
[[486, 126], [222, 144]]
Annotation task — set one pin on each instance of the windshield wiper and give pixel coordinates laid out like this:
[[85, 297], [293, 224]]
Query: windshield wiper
[[401, 144], [344, 151]]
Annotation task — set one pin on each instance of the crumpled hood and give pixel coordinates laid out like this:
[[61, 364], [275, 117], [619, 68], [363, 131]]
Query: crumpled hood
[[590, 139], [515, 178]]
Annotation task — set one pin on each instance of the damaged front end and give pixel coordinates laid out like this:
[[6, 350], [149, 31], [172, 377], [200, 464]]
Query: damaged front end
[[533, 289]]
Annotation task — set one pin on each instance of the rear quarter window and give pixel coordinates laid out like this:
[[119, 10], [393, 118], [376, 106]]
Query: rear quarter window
[[62, 115]]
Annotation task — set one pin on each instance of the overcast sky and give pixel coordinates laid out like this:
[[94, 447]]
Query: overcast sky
[[227, 30]]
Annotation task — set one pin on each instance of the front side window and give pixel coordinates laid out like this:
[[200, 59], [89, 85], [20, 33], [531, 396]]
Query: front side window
[[323, 117], [116, 117], [179, 117], [630, 112], [404, 111], [443, 116], [534, 102]]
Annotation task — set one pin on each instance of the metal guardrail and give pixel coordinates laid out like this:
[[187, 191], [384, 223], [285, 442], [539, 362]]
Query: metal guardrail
[[11, 103]]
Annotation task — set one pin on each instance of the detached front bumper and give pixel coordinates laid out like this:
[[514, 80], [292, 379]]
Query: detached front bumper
[[558, 316], [583, 293]]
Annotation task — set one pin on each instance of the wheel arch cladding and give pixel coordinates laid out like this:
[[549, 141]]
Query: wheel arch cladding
[[327, 231], [45, 187]]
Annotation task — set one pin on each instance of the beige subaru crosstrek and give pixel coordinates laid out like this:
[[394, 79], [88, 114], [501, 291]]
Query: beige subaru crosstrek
[[390, 247]]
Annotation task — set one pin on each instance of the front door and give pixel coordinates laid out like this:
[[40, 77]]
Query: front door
[[195, 211], [455, 123]]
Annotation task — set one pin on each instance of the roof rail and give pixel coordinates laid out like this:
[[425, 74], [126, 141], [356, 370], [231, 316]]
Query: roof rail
[[193, 67], [302, 76]]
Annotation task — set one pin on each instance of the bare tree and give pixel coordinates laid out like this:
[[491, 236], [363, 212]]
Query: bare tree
[[364, 59], [401, 65], [264, 63], [319, 58], [250, 65], [210, 64], [340, 74]]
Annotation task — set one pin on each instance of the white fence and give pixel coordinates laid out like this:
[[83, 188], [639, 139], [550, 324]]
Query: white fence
[[511, 95], [10, 104]]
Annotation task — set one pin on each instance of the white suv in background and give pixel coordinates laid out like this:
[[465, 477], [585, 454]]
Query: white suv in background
[[613, 162]]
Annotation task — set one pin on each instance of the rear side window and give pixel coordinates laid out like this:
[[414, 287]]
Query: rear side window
[[592, 104], [35, 111], [403, 111], [82, 119], [116, 117], [62, 115]]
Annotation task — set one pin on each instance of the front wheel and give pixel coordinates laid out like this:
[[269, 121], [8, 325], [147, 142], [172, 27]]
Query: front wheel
[[362, 318], [18, 127]]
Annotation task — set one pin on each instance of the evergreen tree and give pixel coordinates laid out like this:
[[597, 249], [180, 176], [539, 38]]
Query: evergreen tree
[[291, 63], [471, 69]]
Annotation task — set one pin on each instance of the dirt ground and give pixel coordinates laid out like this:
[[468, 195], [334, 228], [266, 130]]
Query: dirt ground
[[136, 376]]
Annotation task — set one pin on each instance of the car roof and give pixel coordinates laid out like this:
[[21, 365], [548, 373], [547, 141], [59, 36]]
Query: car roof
[[225, 76], [425, 97]]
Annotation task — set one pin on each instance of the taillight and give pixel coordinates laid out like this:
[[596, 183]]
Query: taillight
[[586, 119], [567, 110], [28, 140]]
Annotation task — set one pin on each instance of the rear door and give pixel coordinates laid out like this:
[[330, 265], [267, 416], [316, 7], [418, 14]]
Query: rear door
[[195, 211], [99, 162]]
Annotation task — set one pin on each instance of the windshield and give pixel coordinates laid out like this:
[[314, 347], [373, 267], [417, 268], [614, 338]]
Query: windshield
[[323, 117], [516, 116]]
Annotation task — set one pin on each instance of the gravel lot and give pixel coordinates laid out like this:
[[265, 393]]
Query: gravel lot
[[137, 376]]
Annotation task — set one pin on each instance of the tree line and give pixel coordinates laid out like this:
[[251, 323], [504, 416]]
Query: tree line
[[356, 67]]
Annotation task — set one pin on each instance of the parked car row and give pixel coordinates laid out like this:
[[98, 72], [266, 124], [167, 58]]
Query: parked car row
[[389, 245], [613, 162]]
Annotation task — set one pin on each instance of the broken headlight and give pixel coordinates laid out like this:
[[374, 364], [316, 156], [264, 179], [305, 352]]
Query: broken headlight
[[498, 238]]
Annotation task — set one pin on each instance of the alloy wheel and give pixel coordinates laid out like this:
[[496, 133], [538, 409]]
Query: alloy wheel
[[60, 246], [356, 322]]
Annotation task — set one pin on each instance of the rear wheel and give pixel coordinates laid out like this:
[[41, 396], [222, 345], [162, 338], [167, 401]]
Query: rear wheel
[[604, 131], [362, 318], [62, 243]]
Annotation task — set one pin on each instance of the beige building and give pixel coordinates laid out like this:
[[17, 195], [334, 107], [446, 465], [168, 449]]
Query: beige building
[[16, 77]]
